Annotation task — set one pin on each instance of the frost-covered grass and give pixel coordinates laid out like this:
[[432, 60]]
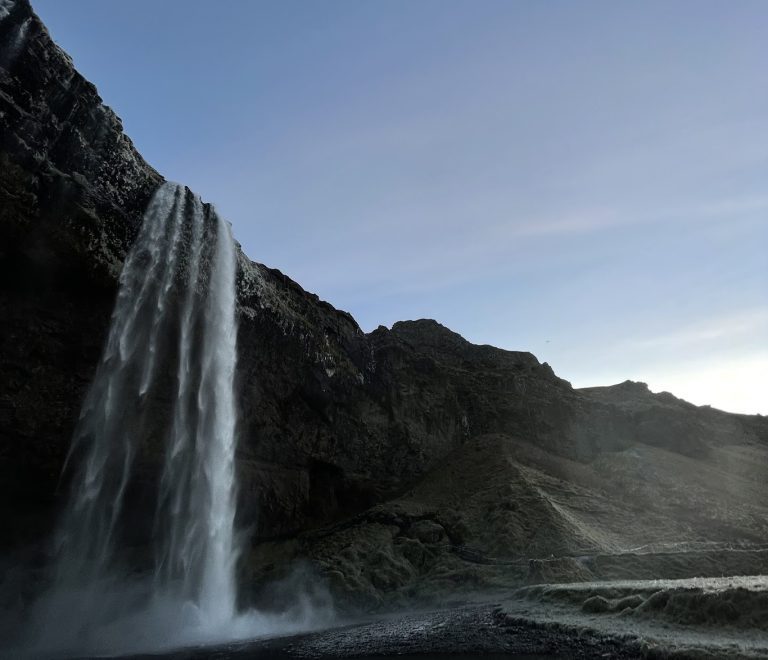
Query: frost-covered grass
[[716, 617]]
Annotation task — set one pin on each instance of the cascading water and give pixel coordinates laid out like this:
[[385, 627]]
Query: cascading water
[[175, 305], [161, 403], [197, 493]]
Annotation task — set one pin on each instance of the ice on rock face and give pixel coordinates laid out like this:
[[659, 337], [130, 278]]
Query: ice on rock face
[[11, 49], [5, 8]]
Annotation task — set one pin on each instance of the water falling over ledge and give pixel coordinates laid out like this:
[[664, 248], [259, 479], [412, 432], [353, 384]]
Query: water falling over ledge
[[175, 305]]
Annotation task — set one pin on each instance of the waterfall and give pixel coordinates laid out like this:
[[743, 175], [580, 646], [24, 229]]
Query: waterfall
[[197, 492], [175, 306]]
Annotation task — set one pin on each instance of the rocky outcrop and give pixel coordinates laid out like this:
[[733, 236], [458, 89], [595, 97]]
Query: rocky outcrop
[[347, 440]]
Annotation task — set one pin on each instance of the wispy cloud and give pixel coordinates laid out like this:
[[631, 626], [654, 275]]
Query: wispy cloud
[[732, 328]]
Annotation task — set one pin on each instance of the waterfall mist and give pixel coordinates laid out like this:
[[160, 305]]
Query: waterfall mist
[[164, 387]]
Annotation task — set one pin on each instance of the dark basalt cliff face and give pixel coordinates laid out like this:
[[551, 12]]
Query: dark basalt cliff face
[[341, 433], [72, 193]]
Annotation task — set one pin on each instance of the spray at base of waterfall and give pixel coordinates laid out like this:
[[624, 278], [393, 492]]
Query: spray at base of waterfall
[[127, 616]]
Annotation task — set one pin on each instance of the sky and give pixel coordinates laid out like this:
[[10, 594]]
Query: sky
[[586, 181]]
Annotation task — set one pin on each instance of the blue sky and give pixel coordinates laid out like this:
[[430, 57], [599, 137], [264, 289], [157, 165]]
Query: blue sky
[[587, 181]]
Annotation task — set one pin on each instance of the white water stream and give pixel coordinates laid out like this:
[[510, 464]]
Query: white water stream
[[175, 305]]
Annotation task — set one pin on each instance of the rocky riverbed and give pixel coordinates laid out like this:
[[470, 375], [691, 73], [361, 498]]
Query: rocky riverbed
[[695, 619], [471, 631]]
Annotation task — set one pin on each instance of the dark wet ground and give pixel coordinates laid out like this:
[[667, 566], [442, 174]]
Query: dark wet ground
[[457, 634]]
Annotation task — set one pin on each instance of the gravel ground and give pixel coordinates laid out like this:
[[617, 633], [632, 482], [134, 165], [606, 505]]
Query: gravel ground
[[461, 633]]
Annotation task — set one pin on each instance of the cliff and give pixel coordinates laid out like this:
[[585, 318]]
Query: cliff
[[389, 459]]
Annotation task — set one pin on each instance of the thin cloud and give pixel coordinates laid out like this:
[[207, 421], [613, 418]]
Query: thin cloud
[[731, 328]]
